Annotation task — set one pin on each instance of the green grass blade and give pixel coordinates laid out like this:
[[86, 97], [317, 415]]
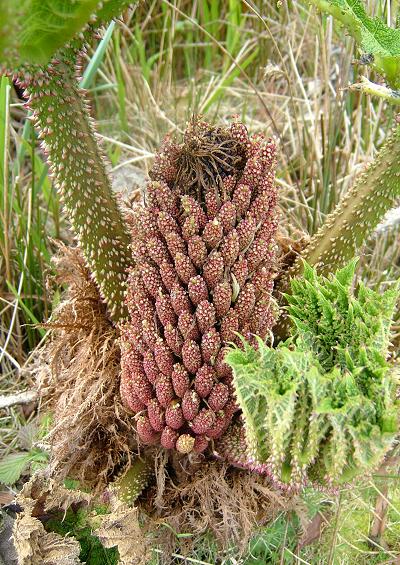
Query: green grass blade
[[4, 182], [97, 59]]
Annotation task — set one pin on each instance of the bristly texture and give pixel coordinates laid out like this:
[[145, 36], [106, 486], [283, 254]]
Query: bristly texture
[[42, 53], [375, 191], [320, 407], [61, 115], [213, 498], [129, 486], [78, 373], [31, 31], [204, 252], [353, 220], [348, 227]]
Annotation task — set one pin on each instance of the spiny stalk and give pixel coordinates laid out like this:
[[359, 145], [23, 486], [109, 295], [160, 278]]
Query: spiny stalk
[[356, 216], [378, 187], [61, 114], [129, 486]]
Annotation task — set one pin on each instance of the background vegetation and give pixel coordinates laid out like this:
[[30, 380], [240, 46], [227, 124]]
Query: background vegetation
[[285, 70]]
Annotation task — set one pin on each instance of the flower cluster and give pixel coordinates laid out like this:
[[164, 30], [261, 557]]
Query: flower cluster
[[203, 245]]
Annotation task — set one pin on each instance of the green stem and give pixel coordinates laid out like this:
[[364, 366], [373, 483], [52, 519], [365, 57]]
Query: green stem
[[357, 215], [385, 92], [130, 486], [62, 117], [352, 222]]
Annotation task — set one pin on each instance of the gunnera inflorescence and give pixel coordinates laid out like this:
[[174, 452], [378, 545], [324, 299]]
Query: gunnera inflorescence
[[203, 245]]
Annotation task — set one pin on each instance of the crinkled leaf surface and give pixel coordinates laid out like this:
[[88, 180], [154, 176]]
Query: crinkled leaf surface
[[322, 402], [372, 34], [31, 31]]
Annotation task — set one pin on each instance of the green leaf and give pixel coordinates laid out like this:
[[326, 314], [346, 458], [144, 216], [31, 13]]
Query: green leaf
[[112, 9], [4, 132], [372, 34], [48, 24], [323, 402], [31, 31], [247, 385], [342, 326], [12, 467], [346, 275]]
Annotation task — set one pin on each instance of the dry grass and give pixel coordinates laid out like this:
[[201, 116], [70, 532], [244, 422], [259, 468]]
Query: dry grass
[[209, 498]]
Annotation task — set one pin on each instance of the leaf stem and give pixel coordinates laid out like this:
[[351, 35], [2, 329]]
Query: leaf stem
[[61, 114]]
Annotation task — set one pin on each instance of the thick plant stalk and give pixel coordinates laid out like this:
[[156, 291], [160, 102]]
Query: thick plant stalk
[[356, 216], [35, 32], [129, 486], [61, 115], [367, 87]]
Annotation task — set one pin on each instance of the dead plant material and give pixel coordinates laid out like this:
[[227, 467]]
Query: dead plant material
[[78, 374], [211, 497], [121, 529], [25, 397], [33, 545], [290, 249], [208, 155], [313, 530], [43, 498], [382, 502]]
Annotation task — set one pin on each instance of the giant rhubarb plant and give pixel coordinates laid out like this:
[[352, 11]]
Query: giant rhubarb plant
[[204, 253], [320, 407], [203, 245], [32, 47]]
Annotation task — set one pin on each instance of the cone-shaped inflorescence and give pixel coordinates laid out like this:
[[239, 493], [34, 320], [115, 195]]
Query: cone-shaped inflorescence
[[204, 253]]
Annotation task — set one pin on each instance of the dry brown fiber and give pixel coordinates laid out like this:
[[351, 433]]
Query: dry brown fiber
[[78, 372], [93, 438]]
